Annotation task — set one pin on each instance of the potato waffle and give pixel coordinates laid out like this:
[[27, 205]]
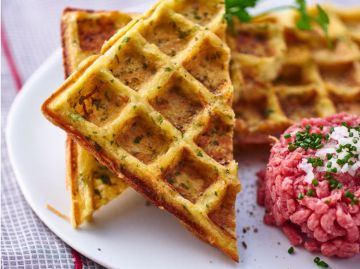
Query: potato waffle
[[168, 122], [83, 32], [282, 74], [91, 185]]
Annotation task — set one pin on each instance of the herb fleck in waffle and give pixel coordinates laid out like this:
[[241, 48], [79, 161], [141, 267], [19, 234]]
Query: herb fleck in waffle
[[84, 32], [282, 74], [155, 141], [91, 184]]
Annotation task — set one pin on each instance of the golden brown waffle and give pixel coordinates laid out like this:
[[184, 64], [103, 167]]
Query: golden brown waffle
[[165, 82], [91, 184], [83, 32], [281, 74]]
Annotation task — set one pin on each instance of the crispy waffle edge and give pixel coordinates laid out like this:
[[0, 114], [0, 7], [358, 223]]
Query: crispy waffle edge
[[72, 150], [107, 161]]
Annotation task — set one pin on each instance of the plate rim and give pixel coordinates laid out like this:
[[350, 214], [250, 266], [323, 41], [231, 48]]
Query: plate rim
[[49, 61]]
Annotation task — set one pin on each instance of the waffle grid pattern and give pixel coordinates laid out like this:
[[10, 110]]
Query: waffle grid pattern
[[150, 71], [299, 75], [91, 185]]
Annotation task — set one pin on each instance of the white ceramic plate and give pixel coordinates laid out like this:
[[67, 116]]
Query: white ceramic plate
[[127, 233]]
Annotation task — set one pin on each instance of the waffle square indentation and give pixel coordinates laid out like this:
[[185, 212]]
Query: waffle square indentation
[[190, 177], [98, 101], [143, 139], [177, 103]]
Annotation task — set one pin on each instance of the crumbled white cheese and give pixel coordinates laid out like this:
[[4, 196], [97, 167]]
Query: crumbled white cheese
[[328, 148], [308, 169], [340, 137]]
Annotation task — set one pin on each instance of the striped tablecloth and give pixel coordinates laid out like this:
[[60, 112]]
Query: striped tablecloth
[[30, 33]]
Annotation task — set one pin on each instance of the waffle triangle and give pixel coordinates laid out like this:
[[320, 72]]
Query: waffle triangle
[[164, 83], [91, 184]]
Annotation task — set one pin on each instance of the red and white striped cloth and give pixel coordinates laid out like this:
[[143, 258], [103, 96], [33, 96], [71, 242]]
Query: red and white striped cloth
[[30, 33]]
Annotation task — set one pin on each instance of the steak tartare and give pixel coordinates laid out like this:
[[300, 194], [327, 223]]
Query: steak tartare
[[311, 186]]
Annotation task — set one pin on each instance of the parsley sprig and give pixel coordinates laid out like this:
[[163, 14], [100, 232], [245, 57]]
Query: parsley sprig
[[240, 10]]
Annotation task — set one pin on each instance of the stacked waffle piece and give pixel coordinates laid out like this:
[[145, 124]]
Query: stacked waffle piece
[[282, 74], [91, 184], [155, 108]]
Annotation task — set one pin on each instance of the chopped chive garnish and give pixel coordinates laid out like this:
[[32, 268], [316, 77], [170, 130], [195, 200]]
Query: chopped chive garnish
[[310, 192], [287, 136], [315, 182], [291, 250], [320, 263], [351, 196], [300, 196], [306, 140], [315, 162], [334, 183]]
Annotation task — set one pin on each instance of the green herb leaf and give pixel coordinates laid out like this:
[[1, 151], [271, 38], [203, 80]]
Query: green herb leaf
[[323, 20], [311, 192], [238, 8], [304, 22], [305, 139], [315, 162]]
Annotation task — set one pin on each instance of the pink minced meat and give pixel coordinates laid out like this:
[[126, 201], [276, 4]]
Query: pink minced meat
[[327, 221]]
